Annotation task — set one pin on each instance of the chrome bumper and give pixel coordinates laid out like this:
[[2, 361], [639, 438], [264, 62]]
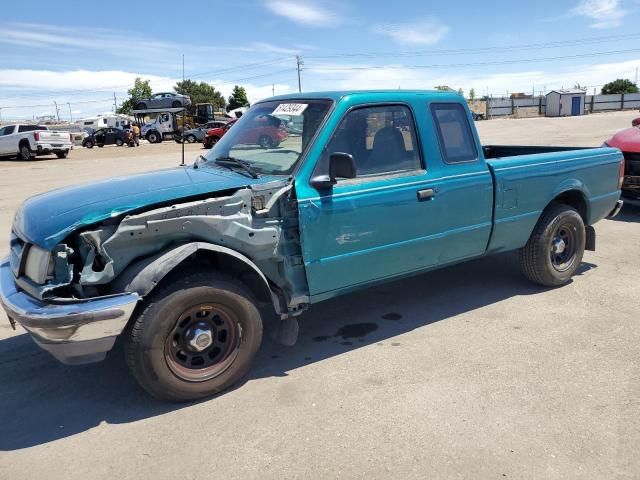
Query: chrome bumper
[[75, 332], [616, 209]]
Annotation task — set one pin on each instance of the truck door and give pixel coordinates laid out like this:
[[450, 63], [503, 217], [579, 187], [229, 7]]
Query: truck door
[[8, 144], [398, 216]]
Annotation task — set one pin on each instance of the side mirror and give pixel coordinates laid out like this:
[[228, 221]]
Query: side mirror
[[341, 165]]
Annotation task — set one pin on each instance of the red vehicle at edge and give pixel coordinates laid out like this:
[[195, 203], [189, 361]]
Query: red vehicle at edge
[[628, 141], [268, 132]]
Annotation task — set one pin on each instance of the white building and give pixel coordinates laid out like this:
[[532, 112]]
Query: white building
[[563, 103]]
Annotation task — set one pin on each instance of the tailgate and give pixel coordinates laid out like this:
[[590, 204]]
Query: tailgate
[[54, 137]]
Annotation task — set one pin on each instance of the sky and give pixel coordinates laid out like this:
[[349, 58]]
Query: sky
[[82, 54]]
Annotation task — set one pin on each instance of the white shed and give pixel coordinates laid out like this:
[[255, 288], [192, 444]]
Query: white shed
[[562, 103]]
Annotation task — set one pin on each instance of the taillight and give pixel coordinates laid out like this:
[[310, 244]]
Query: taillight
[[36, 135], [621, 174]]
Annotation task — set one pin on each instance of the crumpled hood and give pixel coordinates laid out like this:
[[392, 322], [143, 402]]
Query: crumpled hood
[[46, 219], [627, 140]]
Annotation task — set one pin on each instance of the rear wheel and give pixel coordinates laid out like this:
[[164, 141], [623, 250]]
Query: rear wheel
[[196, 336], [211, 142], [141, 106], [265, 141], [25, 152], [556, 247], [191, 138], [62, 154], [176, 104]]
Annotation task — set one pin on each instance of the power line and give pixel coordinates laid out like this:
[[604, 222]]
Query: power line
[[474, 64], [417, 53]]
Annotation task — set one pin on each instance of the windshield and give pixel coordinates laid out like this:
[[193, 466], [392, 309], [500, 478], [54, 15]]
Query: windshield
[[266, 140]]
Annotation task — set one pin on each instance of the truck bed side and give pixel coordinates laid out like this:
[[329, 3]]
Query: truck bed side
[[526, 184]]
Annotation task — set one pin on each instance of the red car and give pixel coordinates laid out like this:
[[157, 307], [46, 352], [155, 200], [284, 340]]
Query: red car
[[268, 132], [628, 141]]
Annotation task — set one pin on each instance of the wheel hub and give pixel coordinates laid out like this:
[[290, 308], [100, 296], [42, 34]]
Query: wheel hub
[[558, 246], [199, 337]]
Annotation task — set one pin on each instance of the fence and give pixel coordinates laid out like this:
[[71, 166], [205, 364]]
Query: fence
[[498, 107]]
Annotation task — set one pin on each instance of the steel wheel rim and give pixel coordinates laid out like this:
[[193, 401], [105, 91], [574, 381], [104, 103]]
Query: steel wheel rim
[[563, 247], [181, 355]]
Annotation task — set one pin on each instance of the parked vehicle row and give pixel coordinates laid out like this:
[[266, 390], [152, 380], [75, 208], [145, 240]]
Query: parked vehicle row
[[28, 141]]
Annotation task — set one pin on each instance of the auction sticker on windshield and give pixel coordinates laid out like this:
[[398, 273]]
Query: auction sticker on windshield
[[290, 109]]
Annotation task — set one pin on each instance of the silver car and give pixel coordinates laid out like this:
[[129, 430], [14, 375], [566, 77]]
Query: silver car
[[198, 133], [164, 100]]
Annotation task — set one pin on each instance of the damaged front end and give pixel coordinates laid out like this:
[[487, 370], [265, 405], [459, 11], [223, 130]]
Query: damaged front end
[[251, 233]]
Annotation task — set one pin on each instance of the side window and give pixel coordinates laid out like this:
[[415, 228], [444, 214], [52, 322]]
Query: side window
[[454, 133], [25, 128], [382, 140]]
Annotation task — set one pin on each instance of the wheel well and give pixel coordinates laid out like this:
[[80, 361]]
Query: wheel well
[[23, 142], [210, 260], [575, 199]]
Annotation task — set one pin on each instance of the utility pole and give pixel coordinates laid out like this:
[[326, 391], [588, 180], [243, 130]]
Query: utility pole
[[299, 62], [70, 114], [57, 111], [115, 103]]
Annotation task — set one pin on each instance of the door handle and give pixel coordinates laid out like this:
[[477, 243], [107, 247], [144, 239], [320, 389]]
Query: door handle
[[426, 194]]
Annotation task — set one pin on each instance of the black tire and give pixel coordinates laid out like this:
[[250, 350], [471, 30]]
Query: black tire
[[24, 153], [62, 154], [176, 104], [211, 142], [162, 360], [556, 246], [141, 106], [191, 138], [154, 137], [100, 145], [88, 144], [265, 141], [119, 142]]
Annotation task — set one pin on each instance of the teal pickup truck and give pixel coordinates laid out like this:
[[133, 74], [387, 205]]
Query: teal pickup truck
[[185, 263]]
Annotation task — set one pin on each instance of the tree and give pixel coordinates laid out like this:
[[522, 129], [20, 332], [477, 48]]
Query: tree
[[577, 86], [472, 94], [621, 85], [141, 89], [461, 92], [200, 93], [238, 98]]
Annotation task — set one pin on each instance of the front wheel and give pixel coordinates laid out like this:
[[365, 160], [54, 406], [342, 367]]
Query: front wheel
[[196, 336], [555, 249], [191, 138], [153, 137], [119, 142], [88, 144]]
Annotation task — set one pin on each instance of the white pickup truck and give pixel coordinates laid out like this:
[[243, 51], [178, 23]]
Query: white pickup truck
[[27, 141]]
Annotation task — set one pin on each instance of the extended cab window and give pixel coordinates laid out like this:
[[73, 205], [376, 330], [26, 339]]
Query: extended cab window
[[382, 140], [25, 128], [454, 132]]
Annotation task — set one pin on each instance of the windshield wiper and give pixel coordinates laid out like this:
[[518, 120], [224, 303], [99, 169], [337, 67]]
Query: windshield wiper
[[201, 158], [233, 161]]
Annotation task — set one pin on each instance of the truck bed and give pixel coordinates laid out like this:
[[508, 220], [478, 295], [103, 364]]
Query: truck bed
[[527, 178], [501, 151]]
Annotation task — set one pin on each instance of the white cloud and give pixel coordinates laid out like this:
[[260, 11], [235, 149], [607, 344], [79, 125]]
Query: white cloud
[[309, 14], [603, 13], [424, 32]]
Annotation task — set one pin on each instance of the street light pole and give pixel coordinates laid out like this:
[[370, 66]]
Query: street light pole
[[299, 62]]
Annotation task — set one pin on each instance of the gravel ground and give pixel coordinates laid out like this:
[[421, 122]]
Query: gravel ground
[[467, 372]]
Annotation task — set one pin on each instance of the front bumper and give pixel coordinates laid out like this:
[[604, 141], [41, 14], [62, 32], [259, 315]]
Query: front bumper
[[74, 332]]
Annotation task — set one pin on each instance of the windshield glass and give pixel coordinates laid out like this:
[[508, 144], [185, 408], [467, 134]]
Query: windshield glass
[[272, 136]]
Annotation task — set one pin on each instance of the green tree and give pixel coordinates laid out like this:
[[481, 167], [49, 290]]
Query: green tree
[[461, 92], [621, 85], [141, 89], [200, 93], [472, 94], [238, 98]]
